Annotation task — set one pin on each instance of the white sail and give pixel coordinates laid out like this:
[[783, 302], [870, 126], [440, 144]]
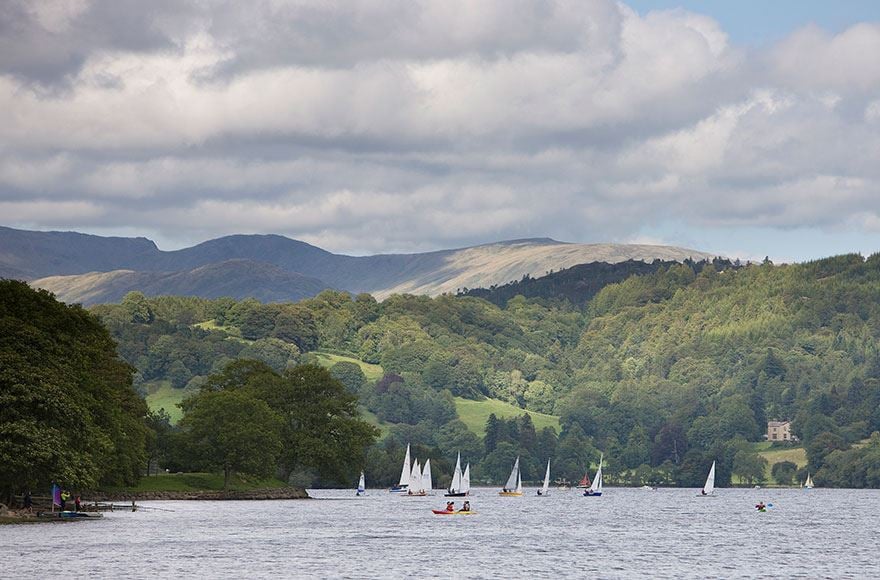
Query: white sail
[[405, 472], [427, 483], [597, 480], [361, 484], [546, 485], [466, 479], [709, 488], [415, 477], [809, 482], [455, 486], [514, 477], [518, 482]]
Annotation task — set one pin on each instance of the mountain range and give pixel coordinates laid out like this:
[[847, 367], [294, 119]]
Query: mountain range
[[93, 269]]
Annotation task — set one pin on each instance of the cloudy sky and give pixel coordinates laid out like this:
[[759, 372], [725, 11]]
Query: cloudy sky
[[408, 125]]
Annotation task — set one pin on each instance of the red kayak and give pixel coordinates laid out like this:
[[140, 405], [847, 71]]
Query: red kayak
[[455, 513]]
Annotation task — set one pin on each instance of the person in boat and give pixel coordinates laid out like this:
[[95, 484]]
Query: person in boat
[[761, 506], [703, 492], [539, 492], [77, 503], [450, 506], [466, 507], [65, 495]]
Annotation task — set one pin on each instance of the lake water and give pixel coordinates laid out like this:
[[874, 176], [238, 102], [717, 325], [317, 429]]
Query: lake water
[[626, 533]]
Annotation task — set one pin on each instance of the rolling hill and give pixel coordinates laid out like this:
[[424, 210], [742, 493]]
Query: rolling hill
[[92, 269]]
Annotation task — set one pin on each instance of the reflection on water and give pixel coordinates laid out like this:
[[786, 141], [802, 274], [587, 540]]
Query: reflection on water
[[626, 533]]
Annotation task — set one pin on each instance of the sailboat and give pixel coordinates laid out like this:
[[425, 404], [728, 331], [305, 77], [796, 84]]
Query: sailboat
[[458, 488], [427, 482], [416, 481], [808, 484], [584, 483], [709, 487], [403, 484], [595, 489], [546, 487], [513, 487], [362, 490]]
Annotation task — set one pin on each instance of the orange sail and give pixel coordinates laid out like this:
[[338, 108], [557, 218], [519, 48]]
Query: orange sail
[[585, 482]]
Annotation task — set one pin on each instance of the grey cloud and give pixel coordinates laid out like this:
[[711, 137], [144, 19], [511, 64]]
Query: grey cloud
[[376, 126]]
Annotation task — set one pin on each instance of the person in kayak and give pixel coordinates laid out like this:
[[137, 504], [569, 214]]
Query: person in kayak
[[466, 507], [761, 506], [450, 506]]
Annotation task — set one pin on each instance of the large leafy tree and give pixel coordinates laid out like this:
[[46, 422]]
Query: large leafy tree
[[68, 412], [321, 430], [232, 432]]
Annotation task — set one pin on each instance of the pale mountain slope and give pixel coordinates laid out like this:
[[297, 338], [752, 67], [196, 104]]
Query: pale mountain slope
[[495, 264]]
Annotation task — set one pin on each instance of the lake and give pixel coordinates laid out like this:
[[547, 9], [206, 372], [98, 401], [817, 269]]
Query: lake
[[624, 534]]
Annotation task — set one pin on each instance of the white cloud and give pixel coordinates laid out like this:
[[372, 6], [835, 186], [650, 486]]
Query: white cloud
[[388, 125]]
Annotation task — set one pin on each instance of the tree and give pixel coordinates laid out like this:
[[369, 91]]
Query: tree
[[68, 411], [138, 308], [749, 466], [274, 352], [322, 426], [349, 374], [158, 443], [231, 431], [783, 472]]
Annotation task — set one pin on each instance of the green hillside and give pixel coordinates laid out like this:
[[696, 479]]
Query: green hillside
[[475, 413], [371, 371], [161, 395]]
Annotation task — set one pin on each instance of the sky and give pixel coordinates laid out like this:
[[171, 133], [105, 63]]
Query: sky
[[745, 128]]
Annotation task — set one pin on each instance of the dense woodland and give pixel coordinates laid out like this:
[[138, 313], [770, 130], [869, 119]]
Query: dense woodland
[[662, 372]]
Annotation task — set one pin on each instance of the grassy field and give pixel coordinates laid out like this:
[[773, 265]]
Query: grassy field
[[475, 413], [160, 394], [796, 455], [372, 372], [384, 428], [198, 482]]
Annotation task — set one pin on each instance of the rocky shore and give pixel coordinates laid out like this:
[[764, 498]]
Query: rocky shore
[[252, 494]]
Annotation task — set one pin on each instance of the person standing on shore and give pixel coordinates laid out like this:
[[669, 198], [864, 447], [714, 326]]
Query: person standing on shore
[[76, 503], [28, 502]]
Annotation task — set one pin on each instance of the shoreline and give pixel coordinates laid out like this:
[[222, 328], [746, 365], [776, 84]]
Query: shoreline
[[207, 495]]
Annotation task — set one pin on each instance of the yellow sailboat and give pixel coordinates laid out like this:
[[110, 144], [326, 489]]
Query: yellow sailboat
[[513, 487]]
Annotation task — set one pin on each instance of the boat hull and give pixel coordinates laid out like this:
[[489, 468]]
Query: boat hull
[[398, 489], [510, 493], [594, 494], [457, 494], [449, 513]]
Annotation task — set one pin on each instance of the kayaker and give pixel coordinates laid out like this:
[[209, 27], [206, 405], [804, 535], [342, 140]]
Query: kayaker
[[450, 506], [466, 507], [761, 507]]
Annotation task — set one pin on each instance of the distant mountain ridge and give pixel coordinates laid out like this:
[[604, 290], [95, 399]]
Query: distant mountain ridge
[[91, 269]]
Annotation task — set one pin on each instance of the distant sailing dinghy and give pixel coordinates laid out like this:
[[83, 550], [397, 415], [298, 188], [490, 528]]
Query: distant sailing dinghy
[[362, 490], [427, 482], [545, 489], [460, 485], [596, 487], [584, 483], [709, 487], [808, 484], [403, 484], [513, 487], [416, 481]]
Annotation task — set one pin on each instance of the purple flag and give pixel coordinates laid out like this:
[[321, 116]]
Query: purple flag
[[56, 494]]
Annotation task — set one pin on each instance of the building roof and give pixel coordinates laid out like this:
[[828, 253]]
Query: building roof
[[777, 423]]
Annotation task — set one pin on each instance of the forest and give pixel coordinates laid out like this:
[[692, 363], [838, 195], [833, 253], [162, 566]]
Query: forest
[[662, 372]]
